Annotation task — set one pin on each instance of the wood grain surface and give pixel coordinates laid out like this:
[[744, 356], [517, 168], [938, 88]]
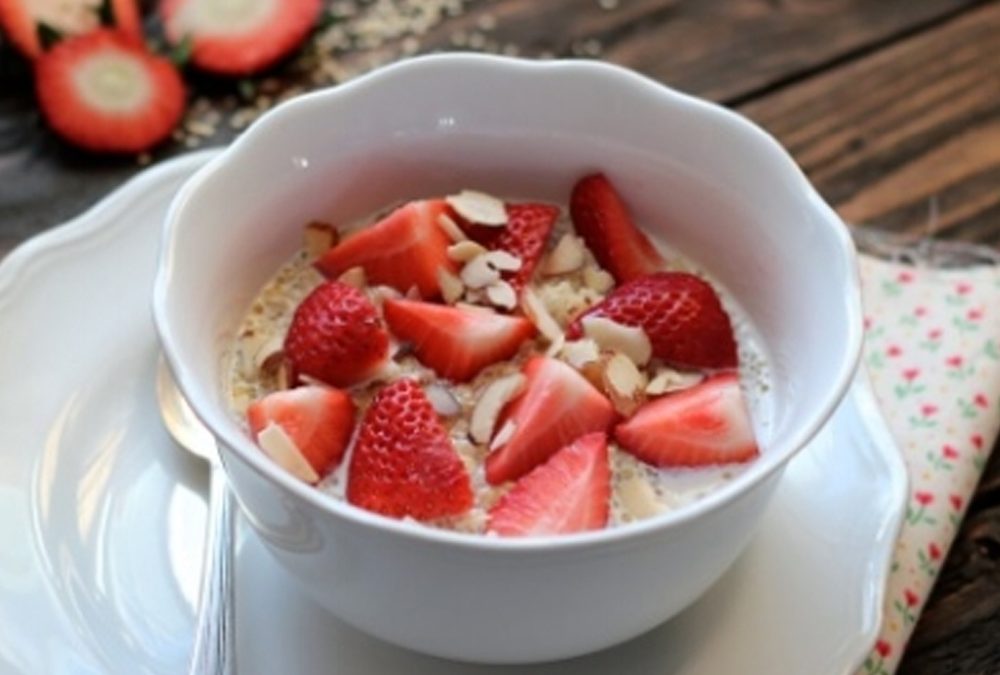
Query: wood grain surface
[[892, 107]]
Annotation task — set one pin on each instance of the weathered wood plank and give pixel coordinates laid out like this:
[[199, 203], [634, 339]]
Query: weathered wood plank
[[907, 132]]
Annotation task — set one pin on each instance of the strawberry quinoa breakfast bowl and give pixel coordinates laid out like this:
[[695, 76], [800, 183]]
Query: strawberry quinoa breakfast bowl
[[501, 370]]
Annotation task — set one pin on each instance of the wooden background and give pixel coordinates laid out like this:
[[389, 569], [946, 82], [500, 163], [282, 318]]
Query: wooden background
[[892, 107]]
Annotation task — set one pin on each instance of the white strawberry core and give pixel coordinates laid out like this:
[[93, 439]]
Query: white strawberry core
[[224, 17], [113, 82], [66, 17]]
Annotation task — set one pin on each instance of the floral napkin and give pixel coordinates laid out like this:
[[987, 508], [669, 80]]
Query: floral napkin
[[933, 352]]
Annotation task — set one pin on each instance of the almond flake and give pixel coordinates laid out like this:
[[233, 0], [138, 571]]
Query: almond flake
[[478, 273], [319, 237], [555, 347], [269, 355], [464, 251], [491, 402], [379, 294], [597, 279], [580, 352], [442, 400], [354, 277], [610, 335], [503, 261], [638, 498], [668, 380], [623, 383], [283, 378], [567, 256], [504, 435], [469, 307], [451, 286], [535, 310], [412, 293], [501, 294], [479, 208], [451, 228], [282, 449]]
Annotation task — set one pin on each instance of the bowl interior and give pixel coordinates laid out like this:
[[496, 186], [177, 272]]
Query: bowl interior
[[699, 178]]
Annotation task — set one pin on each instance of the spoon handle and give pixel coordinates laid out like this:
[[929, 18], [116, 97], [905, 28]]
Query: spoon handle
[[213, 643]]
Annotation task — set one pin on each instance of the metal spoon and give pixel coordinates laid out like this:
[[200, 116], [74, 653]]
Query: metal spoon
[[213, 644]]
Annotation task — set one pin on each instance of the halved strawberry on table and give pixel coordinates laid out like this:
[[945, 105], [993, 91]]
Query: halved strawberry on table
[[569, 493], [557, 406], [403, 462], [104, 93], [679, 312], [336, 336], [239, 38], [305, 430], [704, 425], [404, 249], [601, 217], [20, 20], [453, 341]]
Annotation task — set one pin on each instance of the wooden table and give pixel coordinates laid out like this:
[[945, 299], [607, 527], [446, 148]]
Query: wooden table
[[891, 106]]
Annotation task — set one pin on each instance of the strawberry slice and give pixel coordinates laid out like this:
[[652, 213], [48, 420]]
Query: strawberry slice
[[681, 314], [239, 38], [336, 336], [525, 235], [317, 420], [602, 219], [456, 343], [402, 250], [403, 462], [19, 19], [558, 406], [569, 493], [706, 424], [103, 93]]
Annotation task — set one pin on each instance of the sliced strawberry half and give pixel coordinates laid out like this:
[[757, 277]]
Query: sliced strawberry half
[[602, 219], [103, 93], [706, 424], [19, 19], [456, 343], [558, 406], [525, 235], [316, 424], [404, 249], [336, 336], [681, 313], [239, 38], [569, 493], [403, 462]]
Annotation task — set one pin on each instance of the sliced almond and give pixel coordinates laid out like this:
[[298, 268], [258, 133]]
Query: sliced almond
[[504, 435], [283, 378], [452, 288], [623, 383], [580, 352], [319, 237], [555, 347], [442, 400], [539, 315], [668, 380], [501, 294], [469, 307], [464, 251], [354, 277], [612, 336], [567, 256], [597, 279], [479, 207], [478, 273], [490, 403], [379, 294], [638, 498], [503, 261], [451, 228], [282, 449], [412, 293]]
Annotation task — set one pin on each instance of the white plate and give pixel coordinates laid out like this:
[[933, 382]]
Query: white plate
[[101, 517]]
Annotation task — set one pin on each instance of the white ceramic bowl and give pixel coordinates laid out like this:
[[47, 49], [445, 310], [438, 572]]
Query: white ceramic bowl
[[711, 183]]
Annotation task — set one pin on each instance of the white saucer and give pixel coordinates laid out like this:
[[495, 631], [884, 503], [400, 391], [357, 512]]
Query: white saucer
[[101, 517]]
